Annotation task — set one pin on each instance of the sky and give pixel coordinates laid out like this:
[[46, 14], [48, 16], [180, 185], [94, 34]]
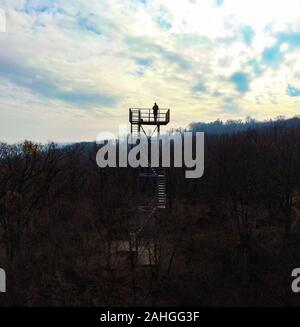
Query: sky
[[71, 69]]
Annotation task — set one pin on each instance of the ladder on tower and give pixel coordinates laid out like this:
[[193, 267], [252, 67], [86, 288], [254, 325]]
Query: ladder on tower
[[161, 188]]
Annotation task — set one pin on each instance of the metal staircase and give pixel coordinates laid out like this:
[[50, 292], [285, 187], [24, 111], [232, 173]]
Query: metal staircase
[[161, 188]]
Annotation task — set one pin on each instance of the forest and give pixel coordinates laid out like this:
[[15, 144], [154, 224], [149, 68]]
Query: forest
[[230, 238]]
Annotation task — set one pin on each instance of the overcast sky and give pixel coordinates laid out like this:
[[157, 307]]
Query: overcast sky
[[70, 69]]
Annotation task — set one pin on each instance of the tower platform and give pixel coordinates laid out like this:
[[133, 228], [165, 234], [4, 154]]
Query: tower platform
[[146, 116]]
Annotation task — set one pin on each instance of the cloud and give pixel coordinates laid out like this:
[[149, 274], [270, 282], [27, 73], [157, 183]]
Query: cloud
[[143, 63], [86, 98], [218, 3], [164, 19], [90, 23], [141, 45], [41, 7], [248, 34], [229, 105], [290, 38], [272, 56], [241, 81], [292, 91], [146, 62], [217, 94], [255, 66], [199, 88], [163, 23], [48, 85]]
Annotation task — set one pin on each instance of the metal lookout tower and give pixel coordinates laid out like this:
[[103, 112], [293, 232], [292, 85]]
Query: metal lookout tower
[[143, 244]]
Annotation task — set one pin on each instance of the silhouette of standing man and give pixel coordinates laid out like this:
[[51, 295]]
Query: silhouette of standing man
[[155, 111]]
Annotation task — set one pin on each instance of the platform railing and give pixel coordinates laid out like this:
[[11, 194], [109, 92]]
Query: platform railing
[[141, 115]]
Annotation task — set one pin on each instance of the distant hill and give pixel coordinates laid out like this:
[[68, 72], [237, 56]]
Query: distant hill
[[232, 126]]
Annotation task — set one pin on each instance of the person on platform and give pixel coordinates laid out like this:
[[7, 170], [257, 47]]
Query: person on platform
[[155, 111]]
